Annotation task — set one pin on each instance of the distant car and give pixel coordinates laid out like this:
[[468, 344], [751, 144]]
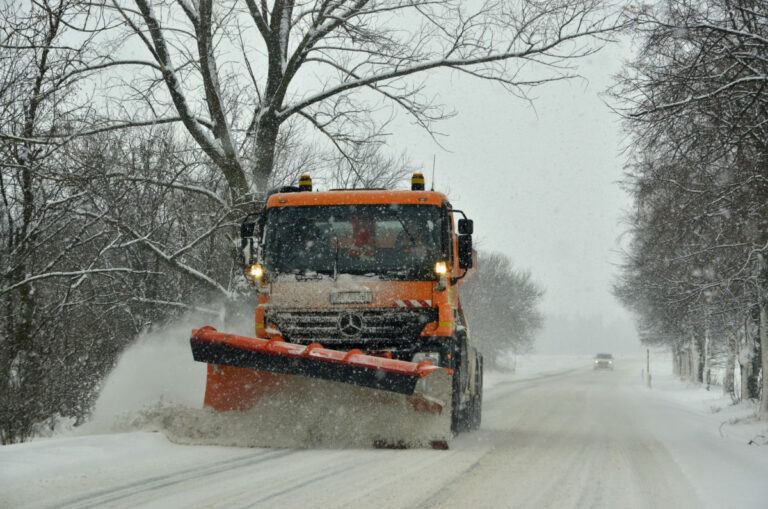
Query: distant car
[[603, 361]]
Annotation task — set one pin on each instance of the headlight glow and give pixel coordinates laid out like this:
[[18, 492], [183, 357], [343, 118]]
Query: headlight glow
[[441, 268], [255, 271]]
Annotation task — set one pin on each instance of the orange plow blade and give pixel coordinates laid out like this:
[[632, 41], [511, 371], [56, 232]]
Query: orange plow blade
[[392, 401]]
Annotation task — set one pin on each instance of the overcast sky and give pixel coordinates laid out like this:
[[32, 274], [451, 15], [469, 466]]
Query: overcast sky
[[540, 182]]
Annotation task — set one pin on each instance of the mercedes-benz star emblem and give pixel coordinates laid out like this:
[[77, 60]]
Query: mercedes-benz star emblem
[[350, 324]]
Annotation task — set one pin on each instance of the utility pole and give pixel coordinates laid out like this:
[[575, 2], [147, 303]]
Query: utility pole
[[648, 365]]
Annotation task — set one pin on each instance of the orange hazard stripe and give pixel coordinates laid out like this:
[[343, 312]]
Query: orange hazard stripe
[[413, 303]]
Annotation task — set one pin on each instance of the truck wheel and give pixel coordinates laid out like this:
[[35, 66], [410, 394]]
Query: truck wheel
[[461, 418], [477, 399], [477, 410], [458, 414]]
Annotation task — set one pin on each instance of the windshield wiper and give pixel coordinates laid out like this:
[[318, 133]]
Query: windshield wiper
[[411, 239]]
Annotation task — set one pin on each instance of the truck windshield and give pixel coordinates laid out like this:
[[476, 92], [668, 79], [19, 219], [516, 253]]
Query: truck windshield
[[389, 241]]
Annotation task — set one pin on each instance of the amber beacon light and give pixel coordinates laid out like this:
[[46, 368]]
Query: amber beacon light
[[417, 182], [305, 182]]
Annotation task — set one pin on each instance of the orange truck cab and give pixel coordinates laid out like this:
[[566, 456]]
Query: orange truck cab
[[371, 270]]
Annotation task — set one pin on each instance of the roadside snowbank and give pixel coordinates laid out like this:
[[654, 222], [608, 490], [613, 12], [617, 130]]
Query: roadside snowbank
[[56, 472], [738, 422], [717, 412], [720, 446]]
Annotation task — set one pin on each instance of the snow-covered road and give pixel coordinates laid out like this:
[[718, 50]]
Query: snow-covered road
[[573, 439]]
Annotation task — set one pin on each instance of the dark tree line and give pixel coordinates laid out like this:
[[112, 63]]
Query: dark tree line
[[695, 101]]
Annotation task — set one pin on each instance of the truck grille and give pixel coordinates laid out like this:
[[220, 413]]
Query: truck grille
[[392, 325]]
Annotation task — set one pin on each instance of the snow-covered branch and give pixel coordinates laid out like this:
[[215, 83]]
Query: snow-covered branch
[[71, 274]]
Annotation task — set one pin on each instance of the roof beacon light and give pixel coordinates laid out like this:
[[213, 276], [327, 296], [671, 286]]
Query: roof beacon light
[[305, 182], [417, 182]]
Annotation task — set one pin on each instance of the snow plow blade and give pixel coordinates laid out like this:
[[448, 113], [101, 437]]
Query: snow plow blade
[[396, 397], [314, 361]]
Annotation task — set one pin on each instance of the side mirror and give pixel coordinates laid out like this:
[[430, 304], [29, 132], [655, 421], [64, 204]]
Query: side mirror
[[466, 227], [465, 250], [246, 240], [246, 229]]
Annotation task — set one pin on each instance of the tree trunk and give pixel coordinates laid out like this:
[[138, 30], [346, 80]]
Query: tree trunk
[[747, 362], [706, 371], [694, 373], [728, 378], [676, 361], [22, 361], [264, 156], [743, 346], [764, 356], [746, 375]]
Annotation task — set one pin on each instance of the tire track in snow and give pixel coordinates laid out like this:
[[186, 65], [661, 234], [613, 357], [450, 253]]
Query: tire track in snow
[[143, 486], [512, 387], [303, 484]]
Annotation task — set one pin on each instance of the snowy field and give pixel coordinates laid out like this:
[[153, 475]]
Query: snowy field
[[555, 434]]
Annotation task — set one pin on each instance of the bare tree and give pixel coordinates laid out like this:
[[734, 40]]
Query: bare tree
[[335, 65], [50, 255], [109, 224], [501, 305], [696, 107]]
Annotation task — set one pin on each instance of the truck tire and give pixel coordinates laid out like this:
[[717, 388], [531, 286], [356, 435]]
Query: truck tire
[[460, 417], [476, 404], [477, 407]]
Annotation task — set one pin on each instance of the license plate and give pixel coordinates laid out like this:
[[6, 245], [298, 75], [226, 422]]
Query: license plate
[[351, 298]]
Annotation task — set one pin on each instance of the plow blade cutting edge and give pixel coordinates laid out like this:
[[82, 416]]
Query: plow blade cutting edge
[[242, 370]]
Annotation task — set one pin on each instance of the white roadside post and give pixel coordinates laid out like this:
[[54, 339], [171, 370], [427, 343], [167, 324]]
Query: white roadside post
[[648, 365]]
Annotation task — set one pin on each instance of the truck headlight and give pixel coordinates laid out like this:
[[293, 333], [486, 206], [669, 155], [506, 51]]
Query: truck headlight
[[441, 268], [254, 272]]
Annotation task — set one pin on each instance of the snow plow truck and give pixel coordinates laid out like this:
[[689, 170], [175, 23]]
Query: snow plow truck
[[358, 308]]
